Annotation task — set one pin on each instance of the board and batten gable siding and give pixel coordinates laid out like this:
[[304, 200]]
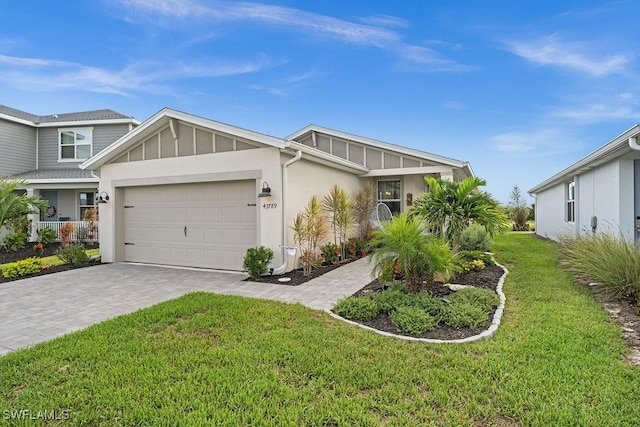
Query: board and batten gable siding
[[17, 148], [192, 140], [103, 136], [371, 157]]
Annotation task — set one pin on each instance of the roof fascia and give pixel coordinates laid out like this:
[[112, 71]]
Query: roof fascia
[[121, 144], [379, 144], [607, 152]]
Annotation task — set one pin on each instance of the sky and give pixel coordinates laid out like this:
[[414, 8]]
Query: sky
[[520, 90]]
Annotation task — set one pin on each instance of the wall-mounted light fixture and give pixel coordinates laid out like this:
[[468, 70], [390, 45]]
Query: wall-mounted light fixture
[[266, 191], [103, 198]]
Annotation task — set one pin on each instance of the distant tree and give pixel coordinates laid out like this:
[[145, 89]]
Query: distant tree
[[518, 210]]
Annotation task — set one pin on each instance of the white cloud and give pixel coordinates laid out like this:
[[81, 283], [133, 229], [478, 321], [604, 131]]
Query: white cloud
[[454, 105], [576, 56], [45, 74], [599, 112], [385, 21], [374, 33], [538, 141]]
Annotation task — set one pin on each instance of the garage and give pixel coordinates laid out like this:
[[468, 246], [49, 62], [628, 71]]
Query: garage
[[206, 224]]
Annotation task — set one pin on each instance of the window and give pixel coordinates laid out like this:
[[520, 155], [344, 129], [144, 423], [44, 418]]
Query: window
[[389, 194], [87, 201], [571, 201], [75, 144]]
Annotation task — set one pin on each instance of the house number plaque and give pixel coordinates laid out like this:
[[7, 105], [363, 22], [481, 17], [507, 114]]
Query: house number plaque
[[269, 205]]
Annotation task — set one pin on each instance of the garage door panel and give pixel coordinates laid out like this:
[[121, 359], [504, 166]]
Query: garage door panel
[[220, 225]]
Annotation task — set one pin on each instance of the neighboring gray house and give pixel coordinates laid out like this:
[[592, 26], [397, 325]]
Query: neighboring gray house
[[599, 193], [46, 151]]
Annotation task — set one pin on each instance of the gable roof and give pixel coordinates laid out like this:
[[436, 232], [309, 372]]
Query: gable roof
[[57, 175], [383, 145], [159, 120], [105, 115], [617, 147]]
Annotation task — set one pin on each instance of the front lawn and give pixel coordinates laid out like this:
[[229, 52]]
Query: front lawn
[[206, 359]]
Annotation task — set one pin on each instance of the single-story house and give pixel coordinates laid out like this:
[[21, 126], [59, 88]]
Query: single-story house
[[184, 190], [46, 151], [598, 193]]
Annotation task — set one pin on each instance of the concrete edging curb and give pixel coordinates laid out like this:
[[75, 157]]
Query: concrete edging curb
[[497, 317]]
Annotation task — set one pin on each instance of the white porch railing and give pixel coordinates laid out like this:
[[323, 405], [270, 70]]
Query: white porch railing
[[81, 232]]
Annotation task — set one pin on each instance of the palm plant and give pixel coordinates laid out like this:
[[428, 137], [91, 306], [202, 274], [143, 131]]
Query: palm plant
[[339, 206], [364, 204], [14, 206], [419, 257], [309, 228], [449, 207]]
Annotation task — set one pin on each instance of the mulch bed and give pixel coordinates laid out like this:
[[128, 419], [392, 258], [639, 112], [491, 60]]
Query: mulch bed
[[487, 278], [48, 250], [296, 276]]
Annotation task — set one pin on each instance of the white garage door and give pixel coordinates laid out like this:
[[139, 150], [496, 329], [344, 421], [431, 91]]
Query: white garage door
[[207, 225]]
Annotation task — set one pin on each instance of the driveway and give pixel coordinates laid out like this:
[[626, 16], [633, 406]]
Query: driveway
[[44, 307]]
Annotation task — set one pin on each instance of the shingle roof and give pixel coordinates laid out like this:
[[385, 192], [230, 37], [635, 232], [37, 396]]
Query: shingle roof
[[54, 174], [64, 117]]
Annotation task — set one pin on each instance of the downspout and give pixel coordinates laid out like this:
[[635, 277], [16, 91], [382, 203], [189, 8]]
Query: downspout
[[37, 147], [283, 267], [633, 143]]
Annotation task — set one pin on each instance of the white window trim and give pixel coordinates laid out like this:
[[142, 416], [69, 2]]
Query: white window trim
[[570, 199], [75, 159], [382, 200], [80, 206]]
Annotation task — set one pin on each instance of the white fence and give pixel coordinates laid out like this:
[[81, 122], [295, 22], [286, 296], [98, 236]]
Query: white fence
[[81, 230]]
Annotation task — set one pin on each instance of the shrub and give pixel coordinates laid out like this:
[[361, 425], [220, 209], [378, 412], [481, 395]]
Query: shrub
[[356, 308], [390, 300], [412, 320], [470, 256], [463, 315], [14, 241], [430, 304], [364, 204], [257, 260], [47, 235], [73, 254], [66, 233], [484, 299], [611, 261], [356, 248], [309, 228], [38, 249], [21, 268], [475, 238], [330, 253]]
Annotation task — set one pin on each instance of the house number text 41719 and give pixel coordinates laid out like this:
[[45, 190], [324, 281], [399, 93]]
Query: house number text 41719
[[269, 205]]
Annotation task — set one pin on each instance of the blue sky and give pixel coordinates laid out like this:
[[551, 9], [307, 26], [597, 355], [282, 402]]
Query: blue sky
[[519, 89]]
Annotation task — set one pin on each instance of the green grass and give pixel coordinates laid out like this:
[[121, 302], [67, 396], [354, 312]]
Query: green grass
[[205, 359]]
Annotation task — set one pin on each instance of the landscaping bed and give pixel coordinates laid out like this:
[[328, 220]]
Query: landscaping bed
[[48, 250], [487, 278], [296, 277]]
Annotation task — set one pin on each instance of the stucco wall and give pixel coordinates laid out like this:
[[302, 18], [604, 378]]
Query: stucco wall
[[263, 164], [550, 213], [305, 179], [606, 192]]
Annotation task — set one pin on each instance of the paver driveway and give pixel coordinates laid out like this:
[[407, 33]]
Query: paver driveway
[[40, 308]]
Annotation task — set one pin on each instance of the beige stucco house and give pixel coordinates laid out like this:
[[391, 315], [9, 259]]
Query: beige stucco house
[[183, 190]]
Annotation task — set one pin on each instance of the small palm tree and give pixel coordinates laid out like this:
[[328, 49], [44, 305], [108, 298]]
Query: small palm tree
[[14, 206], [450, 206], [418, 256]]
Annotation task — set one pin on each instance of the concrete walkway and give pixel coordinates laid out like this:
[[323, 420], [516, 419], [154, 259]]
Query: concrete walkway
[[44, 307]]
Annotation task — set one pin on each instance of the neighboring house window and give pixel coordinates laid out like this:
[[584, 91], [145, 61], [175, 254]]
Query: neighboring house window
[[389, 194], [75, 144], [87, 201], [571, 201]]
